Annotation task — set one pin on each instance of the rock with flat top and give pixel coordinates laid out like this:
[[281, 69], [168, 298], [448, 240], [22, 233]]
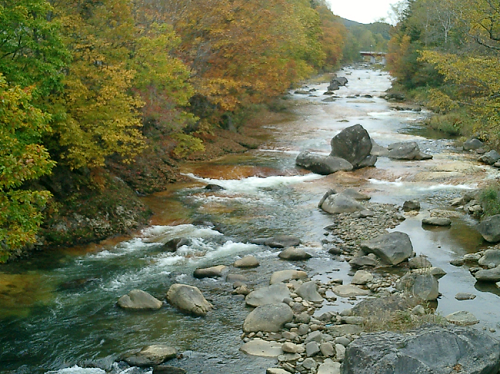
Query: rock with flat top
[[211, 272], [268, 318], [286, 275], [247, 262], [273, 294], [393, 248], [151, 355], [139, 300]]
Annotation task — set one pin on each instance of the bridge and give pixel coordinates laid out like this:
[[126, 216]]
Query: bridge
[[374, 57]]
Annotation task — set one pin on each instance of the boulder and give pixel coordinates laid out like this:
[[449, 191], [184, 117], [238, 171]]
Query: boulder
[[419, 262], [410, 205], [352, 144], [286, 275], [167, 369], [362, 261], [273, 294], [188, 299], [139, 300], [473, 144], [393, 248], [150, 355], [333, 86], [406, 151], [211, 272], [329, 367], [214, 187], [321, 164], [490, 256], [338, 203], [340, 81], [294, 254], [309, 292], [462, 318], [488, 275], [268, 318], [423, 286], [490, 157], [247, 262], [489, 229], [369, 161], [428, 350], [362, 277]]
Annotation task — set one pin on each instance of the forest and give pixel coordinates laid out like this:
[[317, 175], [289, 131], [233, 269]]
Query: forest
[[446, 54], [94, 87]]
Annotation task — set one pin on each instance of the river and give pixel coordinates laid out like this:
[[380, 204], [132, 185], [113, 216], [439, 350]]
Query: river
[[57, 309]]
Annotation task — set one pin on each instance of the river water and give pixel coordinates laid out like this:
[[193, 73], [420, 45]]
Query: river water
[[58, 312]]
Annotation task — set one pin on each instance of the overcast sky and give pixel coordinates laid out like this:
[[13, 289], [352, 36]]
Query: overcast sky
[[363, 11]]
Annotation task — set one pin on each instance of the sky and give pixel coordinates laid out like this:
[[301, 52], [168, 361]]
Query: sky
[[363, 11]]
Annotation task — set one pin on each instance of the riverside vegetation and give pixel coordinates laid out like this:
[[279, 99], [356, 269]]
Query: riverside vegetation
[[100, 100]]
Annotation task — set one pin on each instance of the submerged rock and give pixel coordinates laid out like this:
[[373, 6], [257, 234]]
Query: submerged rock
[[436, 350], [338, 203]]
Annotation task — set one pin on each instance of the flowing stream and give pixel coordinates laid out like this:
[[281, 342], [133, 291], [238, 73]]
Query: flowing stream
[[58, 312]]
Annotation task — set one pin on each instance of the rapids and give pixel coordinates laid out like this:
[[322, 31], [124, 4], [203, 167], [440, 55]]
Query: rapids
[[58, 312]]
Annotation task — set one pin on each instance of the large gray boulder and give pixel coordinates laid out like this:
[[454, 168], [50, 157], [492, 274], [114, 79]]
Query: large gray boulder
[[393, 248], [341, 81], [473, 144], [321, 164], [268, 318], [488, 275], [188, 299], [273, 294], [339, 203], [352, 144], [489, 228], [490, 157], [406, 151], [491, 256], [424, 286], [428, 350], [139, 300]]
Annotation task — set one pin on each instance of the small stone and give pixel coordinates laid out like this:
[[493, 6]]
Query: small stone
[[294, 254], [312, 349], [303, 330], [465, 296], [342, 340], [329, 367], [327, 349], [276, 371], [436, 221], [419, 310], [340, 352], [362, 277], [247, 262], [310, 364]]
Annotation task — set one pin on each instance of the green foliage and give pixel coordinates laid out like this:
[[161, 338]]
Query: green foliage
[[489, 198], [186, 145], [22, 159]]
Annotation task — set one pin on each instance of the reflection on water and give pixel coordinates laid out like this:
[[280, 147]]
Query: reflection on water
[[58, 309]]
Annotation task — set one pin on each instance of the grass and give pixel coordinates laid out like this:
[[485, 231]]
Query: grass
[[489, 198]]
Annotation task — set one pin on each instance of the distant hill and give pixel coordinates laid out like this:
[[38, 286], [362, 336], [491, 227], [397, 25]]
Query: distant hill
[[365, 37]]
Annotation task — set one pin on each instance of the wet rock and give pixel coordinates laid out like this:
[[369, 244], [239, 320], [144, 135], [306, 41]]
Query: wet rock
[[214, 187], [341, 81], [211, 272], [490, 256], [321, 164], [410, 205], [465, 296], [489, 229], [349, 291], [309, 292], [406, 151], [174, 244], [423, 286], [268, 318], [369, 161], [490, 157], [150, 356], [339, 203], [282, 241], [393, 248], [419, 262], [436, 221], [247, 262], [165, 369], [352, 144], [273, 294], [286, 275], [473, 144], [188, 299], [259, 347], [139, 300], [432, 349], [355, 194], [462, 318], [362, 277], [294, 254], [488, 275]]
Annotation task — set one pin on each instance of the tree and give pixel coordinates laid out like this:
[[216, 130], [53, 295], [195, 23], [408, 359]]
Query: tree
[[22, 159]]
